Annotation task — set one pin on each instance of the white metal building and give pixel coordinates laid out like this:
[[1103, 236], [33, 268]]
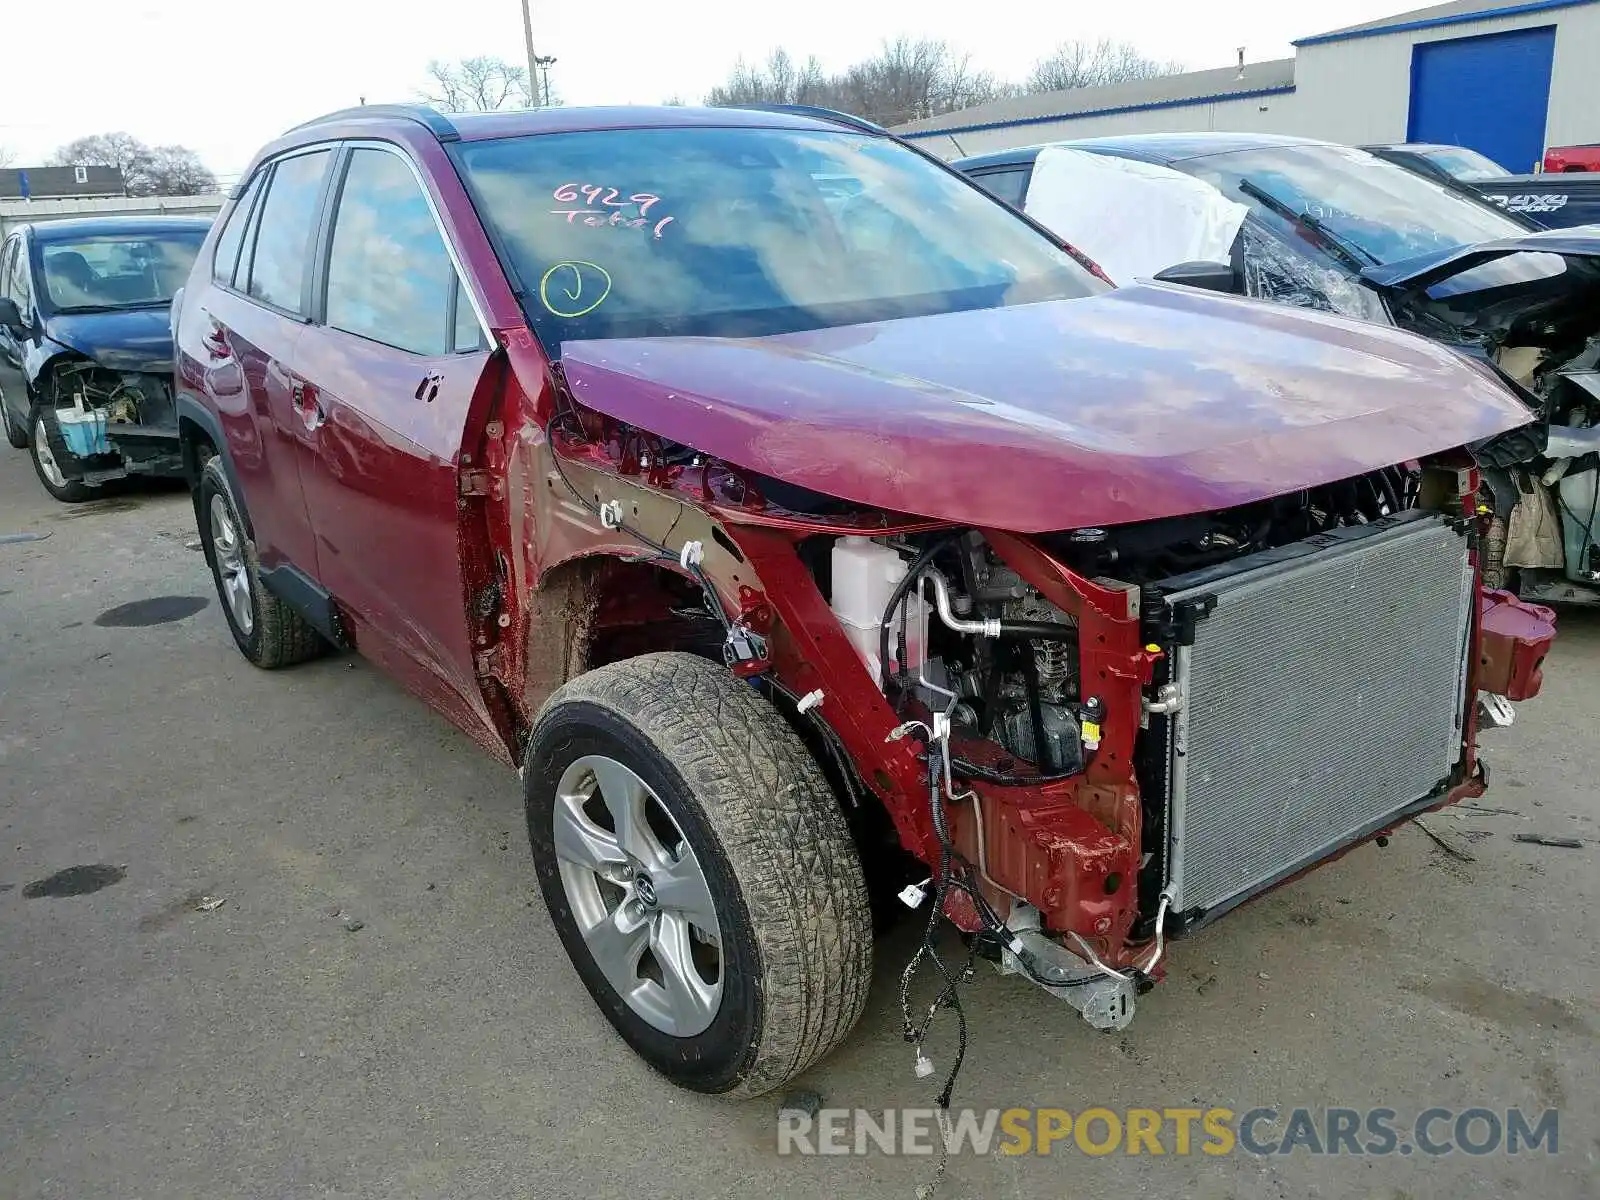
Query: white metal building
[[1505, 77]]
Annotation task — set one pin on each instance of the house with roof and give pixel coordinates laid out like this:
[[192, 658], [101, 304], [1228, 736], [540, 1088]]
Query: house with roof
[[55, 183]]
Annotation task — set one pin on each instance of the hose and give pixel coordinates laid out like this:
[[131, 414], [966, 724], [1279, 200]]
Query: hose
[[904, 586], [1030, 678], [1044, 631]]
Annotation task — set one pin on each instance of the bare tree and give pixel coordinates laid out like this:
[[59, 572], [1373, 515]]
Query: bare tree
[[908, 78], [120, 150], [146, 170], [7, 157], [913, 78], [481, 84], [777, 81], [1078, 64], [178, 171]]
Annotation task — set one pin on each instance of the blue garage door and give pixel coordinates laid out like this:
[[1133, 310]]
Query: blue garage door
[[1489, 93]]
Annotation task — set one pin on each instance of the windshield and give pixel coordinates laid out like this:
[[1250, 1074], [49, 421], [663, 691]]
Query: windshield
[[1465, 165], [118, 270], [1384, 211], [743, 232]]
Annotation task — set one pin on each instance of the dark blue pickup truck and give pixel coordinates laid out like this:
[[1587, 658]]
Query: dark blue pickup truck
[[1548, 201]]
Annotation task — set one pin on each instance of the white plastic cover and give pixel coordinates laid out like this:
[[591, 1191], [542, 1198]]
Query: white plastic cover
[[1133, 218]]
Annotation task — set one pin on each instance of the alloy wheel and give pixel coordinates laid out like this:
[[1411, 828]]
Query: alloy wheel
[[232, 570], [639, 896], [47, 459]]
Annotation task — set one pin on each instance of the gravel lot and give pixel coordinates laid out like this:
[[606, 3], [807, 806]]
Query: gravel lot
[[446, 1049]]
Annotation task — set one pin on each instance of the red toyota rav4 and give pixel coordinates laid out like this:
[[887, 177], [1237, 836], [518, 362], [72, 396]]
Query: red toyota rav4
[[772, 495]]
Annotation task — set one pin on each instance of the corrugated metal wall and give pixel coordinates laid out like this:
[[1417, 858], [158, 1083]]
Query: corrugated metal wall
[[1354, 91], [1252, 115]]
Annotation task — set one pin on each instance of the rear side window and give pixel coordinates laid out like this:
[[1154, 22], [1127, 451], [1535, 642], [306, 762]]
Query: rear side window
[[390, 278], [1010, 186], [227, 254], [283, 234]]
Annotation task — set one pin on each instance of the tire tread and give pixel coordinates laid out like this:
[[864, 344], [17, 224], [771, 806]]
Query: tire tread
[[783, 832], [283, 637]]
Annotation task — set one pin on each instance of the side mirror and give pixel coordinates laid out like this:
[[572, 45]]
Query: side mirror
[[1212, 276], [10, 317]]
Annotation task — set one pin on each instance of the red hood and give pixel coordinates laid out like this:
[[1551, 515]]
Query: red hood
[[1148, 401]]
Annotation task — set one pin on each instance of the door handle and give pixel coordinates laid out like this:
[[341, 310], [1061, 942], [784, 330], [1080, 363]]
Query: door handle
[[215, 340], [306, 403], [428, 389]]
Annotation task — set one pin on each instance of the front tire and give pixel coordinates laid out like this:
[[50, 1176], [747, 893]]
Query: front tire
[[59, 469], [699, 872], [267, 631]]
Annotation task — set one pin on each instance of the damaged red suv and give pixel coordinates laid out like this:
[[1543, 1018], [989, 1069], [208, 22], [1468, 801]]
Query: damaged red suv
[[775, 499]]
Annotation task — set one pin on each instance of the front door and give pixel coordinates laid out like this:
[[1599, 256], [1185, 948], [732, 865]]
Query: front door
[[14, 284], [390, 373]]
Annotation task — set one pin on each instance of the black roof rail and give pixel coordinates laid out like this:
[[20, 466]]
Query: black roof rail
[[816, 112], [431, 118]]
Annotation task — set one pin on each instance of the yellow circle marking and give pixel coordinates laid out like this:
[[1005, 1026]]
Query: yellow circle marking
[[569, 301]]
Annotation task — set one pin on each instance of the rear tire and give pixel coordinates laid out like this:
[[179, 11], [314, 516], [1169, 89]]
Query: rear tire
[[752, 814], [59, 469], [267, 631]]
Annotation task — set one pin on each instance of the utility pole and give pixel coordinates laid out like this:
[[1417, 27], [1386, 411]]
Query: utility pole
[[533, 59], [545, 62]]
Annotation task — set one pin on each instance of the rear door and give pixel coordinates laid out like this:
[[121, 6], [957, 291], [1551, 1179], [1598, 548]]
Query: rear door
[[250, 324], [391, 369]]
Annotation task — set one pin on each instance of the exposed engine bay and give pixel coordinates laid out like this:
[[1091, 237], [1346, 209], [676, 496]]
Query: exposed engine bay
[[984, 644], [116, 422]]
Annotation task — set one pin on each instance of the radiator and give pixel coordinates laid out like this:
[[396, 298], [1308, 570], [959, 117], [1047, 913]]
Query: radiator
[[1321, 689]]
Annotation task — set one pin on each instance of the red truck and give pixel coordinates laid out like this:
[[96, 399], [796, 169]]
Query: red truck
[[1572, 158], [778, 530]]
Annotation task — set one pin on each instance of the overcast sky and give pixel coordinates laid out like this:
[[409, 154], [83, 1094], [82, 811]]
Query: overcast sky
[[224, 76]]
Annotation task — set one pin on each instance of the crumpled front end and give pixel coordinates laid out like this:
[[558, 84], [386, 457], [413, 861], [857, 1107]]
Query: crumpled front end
[[1133, 731], [115, 422], [1113, 648]]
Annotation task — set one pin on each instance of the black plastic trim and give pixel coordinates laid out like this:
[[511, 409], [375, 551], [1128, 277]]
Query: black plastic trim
[[308, 598]]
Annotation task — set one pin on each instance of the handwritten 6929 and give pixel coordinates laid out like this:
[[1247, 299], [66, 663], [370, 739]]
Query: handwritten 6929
[[597, 199]]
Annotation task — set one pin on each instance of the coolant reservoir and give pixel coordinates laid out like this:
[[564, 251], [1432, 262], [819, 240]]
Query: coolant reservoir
[[865, 575]]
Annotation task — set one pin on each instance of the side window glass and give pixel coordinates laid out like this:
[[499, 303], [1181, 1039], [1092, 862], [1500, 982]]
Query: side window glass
[[7, 255], [20, 288], [283, 234], [389, 275], [1005, 185], [469, 334], [227, 255]]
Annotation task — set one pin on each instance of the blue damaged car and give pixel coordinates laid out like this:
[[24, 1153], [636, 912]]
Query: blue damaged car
[[86, 346]]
